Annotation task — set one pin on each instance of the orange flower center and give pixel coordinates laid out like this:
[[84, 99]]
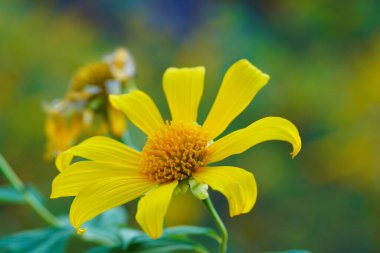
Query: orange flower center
[[174, 152]]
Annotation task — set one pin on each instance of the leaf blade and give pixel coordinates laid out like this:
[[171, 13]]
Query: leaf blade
[[9, 195]]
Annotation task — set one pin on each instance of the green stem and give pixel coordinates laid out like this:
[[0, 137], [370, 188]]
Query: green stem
[[219, 223], [29, 198]]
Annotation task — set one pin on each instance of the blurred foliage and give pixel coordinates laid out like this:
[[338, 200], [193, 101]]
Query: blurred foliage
[[323, 58], [109, 230]]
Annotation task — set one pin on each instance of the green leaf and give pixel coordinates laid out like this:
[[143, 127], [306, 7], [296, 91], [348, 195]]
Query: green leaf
[[166, 245], [100, 249], [104, 229], [132, 236], [45, 240], [111, 219], [173, 240], [182, 231], [128, 236], [10, 195], [289, 251], [36, 193], [154, 246]]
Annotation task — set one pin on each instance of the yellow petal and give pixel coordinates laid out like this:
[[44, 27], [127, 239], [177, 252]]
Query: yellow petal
[[82, 174], [140, 109], [152, 209], [183, 89], [106, 194], [240, 84], [238, 185], [101, 149], [266, 129], [116, 121], [63, 160]]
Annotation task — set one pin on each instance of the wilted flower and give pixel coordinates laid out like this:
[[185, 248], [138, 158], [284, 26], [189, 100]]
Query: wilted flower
[[85, 109], [122, 64], [61, 131]]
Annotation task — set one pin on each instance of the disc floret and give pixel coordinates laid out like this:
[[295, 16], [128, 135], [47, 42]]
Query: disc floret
[[174, 152]]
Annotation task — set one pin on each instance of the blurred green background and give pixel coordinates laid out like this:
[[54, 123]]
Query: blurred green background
[[323, 58]]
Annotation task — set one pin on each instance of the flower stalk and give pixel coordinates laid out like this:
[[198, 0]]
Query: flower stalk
[[219, 224], [29, 198]]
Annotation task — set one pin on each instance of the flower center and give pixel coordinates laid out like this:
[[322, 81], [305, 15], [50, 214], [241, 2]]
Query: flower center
[[174, 152]]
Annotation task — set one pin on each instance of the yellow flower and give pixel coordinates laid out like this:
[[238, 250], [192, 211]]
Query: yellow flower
[[175, 151]]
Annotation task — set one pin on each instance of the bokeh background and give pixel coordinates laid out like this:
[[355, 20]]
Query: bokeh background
[[324, 61]]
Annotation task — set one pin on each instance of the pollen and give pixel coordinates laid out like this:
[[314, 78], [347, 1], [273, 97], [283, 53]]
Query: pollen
[[174, 152]]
